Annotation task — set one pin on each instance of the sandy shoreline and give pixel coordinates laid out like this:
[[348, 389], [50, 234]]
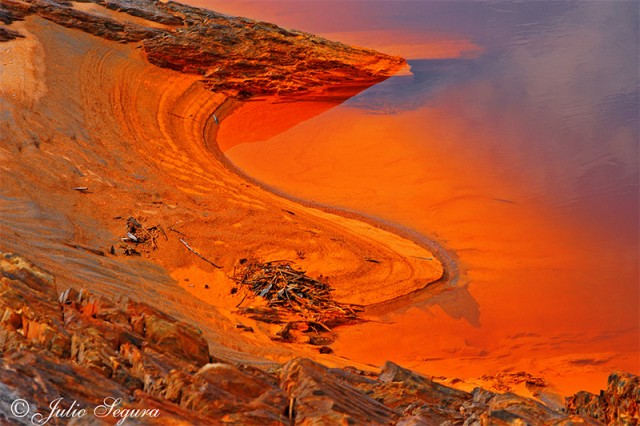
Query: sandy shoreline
[[340, 215], [164, 174]]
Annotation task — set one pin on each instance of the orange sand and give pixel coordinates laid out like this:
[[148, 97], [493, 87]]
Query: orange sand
[[136, 136]]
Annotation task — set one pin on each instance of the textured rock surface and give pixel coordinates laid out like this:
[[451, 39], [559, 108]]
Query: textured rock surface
[[64, 14], [84, 348], [247, 57], [6, 34], [419, 397], [237, 56], [618, 404], [319, 398]]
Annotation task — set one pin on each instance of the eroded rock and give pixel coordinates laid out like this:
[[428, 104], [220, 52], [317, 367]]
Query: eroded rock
[[177, 338], [618, 404], [84, 348], [507, 409], [414, 395], [7, 34], [319, 397], [237, 56]]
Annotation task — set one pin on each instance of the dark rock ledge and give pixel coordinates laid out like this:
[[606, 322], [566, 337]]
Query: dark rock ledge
[[237, 56]]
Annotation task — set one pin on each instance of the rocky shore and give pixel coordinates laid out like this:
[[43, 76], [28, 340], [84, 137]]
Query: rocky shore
[[84, 348]]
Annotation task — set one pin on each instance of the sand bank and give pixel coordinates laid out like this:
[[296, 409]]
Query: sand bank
[[136, 135]]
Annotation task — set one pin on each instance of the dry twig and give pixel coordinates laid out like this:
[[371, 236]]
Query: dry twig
[[198, 254], [292, 290], [139, 238]]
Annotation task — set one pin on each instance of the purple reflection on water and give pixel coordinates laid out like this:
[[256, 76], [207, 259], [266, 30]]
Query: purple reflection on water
[[556, 90]]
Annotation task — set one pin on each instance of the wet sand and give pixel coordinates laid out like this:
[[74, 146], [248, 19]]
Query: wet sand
[[139, 138]]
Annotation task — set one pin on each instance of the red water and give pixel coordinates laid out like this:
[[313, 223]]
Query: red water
[[516, 150]]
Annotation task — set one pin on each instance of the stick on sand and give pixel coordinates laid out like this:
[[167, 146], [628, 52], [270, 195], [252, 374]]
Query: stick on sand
[[198, 254]]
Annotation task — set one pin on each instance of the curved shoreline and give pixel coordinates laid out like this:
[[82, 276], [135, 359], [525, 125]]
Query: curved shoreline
[[450, 275], [344, 242]]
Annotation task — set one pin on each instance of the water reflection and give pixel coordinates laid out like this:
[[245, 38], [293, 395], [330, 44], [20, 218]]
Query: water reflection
[[408, 92], [557, 86], [522, 159]]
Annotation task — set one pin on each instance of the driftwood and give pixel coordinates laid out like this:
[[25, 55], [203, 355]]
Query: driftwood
[[198, 254], [294, 299]]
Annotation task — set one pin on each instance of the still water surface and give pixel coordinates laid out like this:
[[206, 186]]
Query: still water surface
[[514, 144]]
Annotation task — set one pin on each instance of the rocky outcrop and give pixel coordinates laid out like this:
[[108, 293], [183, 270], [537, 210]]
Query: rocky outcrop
[[86, 350], [150, 11], [6, 34], [237, 56], [11, 11], [617, 405], [419, 397], [63, 13], [321, 398], [245, 57]]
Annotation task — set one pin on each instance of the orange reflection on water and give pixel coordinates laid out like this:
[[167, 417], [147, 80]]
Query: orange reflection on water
[[264, 123], [317, 16], [537, 292], [513, 171]]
